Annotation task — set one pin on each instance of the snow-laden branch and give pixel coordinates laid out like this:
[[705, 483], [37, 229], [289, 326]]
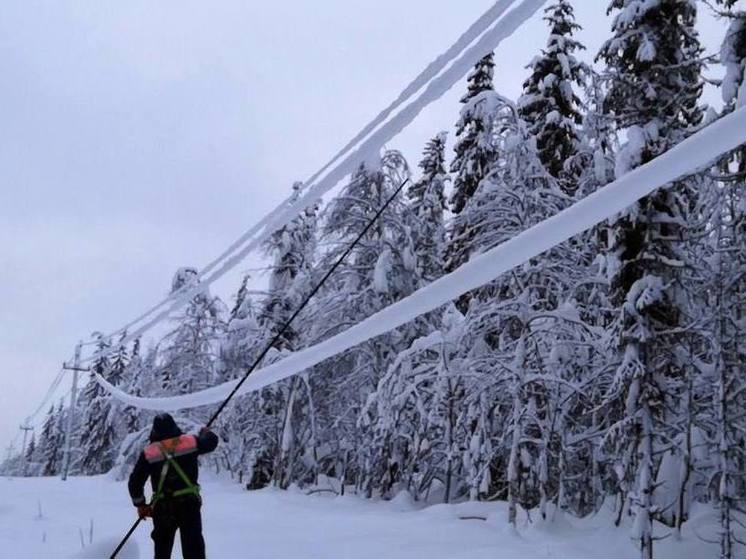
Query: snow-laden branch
[[691, 155]]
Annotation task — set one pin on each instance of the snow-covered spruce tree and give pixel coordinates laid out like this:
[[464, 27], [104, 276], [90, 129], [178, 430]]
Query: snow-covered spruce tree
[[682, 477], [653, 72], [473, 148], [594, 160], [248, 423], [549, 103], [292, 250], [242, 335], [29, 468], [724, 391], [132, 379], [475, 152], [412, 416], [273, 428], [593, 165], [252, 429], [508, 343], [117, 375], [133, 424], [98, 433], [189, 352], [488, 227], [12, 464], [379, 271], [119, 361], [427, 204], [50, 444], [398, 429], [583, 481], [727, 303], [733, 57]]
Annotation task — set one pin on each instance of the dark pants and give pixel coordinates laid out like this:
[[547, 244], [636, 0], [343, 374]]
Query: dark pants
[[182, 515]]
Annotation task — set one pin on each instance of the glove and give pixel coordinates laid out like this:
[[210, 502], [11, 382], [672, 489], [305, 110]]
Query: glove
[[204, 430], [144, 511]]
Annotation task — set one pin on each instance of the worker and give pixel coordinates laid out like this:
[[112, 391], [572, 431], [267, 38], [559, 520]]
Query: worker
[[171, 463]]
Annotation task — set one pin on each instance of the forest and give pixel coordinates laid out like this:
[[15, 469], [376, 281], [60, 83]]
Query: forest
[[607, 371]]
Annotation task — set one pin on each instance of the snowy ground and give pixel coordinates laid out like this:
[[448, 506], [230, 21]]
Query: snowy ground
[[272, 524]]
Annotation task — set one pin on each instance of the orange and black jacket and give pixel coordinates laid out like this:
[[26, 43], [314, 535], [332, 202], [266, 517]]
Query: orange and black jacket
[[149, 466]]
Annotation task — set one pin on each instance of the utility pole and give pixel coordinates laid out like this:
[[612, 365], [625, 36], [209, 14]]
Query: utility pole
[[26, 427], [75, 368]]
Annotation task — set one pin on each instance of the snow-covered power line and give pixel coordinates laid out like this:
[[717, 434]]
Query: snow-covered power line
[[47, 396], [436, 80], [689, 156], [178, 298], [289, 208], [434, 68]]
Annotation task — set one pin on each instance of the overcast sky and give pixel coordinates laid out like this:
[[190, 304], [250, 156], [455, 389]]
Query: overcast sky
[[141, 136]]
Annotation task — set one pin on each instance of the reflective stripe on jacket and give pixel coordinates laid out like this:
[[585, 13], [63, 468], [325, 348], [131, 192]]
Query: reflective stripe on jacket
[[177, 446]]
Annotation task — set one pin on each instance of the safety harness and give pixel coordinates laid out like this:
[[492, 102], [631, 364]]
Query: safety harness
[[168, 451]]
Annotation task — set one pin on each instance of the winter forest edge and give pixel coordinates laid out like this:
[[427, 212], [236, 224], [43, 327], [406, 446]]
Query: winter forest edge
[[608, 371]]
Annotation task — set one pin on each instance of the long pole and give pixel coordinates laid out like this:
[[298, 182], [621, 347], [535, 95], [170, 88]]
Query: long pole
[[305, 302], [282, 331], [126, 538], [76, 368]]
